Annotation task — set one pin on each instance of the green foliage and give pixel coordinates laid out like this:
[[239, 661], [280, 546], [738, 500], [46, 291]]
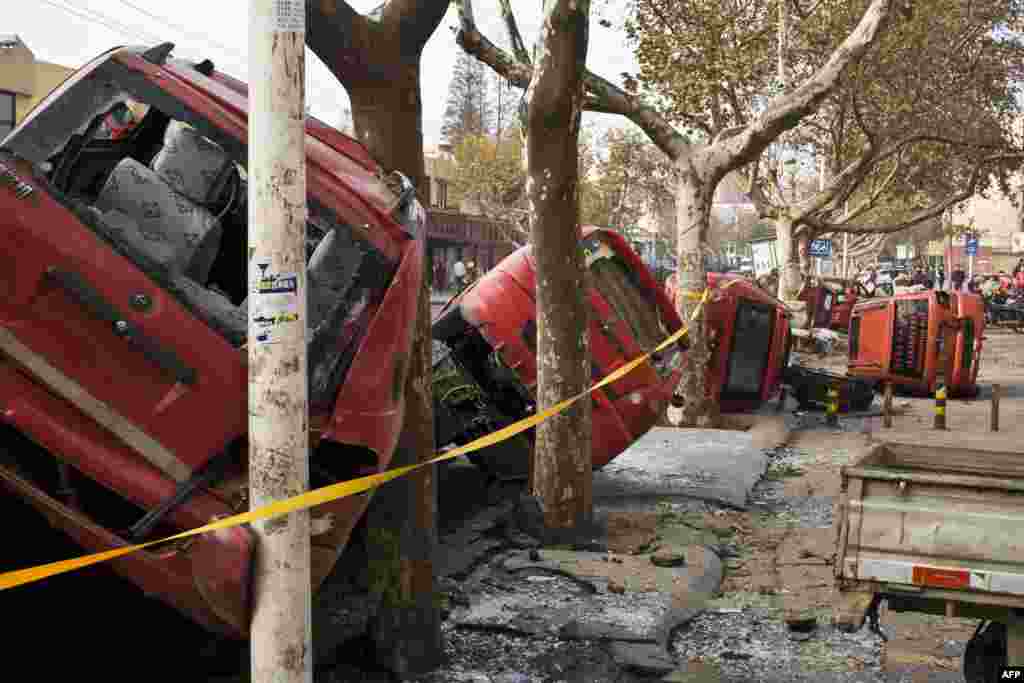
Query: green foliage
[[490, 170], [632, 178], [947, 70]]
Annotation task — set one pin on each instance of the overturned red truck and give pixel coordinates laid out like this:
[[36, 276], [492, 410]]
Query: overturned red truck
[[123, 378], [919, 341], [485, 365], [750, 340], [123, 321], [485, 370]]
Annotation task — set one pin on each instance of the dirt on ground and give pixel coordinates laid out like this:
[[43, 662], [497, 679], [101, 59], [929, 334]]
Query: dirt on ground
[[785, 549], [772, 617]]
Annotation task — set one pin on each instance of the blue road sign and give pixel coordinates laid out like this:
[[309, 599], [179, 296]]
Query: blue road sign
[[822, 248], [972, 246]]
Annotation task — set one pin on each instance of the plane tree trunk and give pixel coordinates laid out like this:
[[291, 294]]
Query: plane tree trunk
[[377, 60], [561, 472]]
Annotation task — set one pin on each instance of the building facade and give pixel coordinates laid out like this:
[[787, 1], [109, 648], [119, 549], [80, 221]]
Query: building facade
[[24, 81], [457, 233]]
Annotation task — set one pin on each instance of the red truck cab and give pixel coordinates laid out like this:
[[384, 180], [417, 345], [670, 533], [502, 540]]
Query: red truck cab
[[485, 372], [124, 321], [918, 341], [750, 341]]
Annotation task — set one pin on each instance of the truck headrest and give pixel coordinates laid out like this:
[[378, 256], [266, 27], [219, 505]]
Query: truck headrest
[[193, 165]]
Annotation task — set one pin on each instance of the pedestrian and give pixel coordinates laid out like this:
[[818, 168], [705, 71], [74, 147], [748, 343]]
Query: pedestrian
[[990, 286], [442, 275], [438, 275], [869, 281], [459, 274], [957, 279]]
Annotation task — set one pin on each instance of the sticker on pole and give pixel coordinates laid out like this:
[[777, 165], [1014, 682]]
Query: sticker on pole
[[274, 305], [289, 15]]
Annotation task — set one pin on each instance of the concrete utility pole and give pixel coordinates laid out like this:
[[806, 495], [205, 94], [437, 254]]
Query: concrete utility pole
[[278, 390]]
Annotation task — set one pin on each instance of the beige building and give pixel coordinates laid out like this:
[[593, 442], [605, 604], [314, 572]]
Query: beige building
[[999, 226], [457, 233], [24, 80]]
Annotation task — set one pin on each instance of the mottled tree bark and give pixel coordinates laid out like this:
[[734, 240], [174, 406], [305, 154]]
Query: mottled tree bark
[[378, 63], [693, 209], [561, 472], [789, 259], [803, 252]]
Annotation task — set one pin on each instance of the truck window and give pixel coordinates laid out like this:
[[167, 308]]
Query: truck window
[[168, 190], [610, 275]]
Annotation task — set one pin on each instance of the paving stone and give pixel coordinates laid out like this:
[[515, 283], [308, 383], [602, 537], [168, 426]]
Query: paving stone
[[642, 657]]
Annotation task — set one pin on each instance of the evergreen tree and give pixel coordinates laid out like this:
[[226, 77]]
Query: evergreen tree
[[469, 110], [505, 99]]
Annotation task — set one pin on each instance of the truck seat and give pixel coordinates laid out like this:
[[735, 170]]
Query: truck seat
[[195, 166], [168, 226]]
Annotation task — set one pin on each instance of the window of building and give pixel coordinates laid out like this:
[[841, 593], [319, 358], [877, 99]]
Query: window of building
[[6, 113]]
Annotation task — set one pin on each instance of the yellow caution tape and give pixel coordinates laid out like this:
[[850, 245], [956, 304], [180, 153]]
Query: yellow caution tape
[[342, 489]]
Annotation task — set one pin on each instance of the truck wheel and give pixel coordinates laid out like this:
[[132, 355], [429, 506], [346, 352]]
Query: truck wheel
[[985, 653]]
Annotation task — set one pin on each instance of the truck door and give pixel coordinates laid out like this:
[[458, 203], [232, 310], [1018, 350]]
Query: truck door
[[85, 321]]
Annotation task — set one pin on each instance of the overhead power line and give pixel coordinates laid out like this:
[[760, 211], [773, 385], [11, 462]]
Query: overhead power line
[[144, 36], [178, 27], [96, 18]]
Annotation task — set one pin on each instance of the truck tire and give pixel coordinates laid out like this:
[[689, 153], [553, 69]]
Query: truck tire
[[985, 653]]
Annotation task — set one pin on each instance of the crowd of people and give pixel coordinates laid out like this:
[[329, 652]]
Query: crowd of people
[[462, 275], [988, 285]]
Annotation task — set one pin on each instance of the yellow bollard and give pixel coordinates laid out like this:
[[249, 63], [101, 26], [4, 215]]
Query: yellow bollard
[[832, 407], [940, 408]]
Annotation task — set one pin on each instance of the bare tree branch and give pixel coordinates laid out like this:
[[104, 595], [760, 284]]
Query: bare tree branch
[[343, 38], [802, 13], [925, 214], [600, 92], [858, 117], [786, 111], [515, 38], [842, 185], [753, 190], [727, 133], [734, 102], [416, 21], [340, 37], [875, 195]]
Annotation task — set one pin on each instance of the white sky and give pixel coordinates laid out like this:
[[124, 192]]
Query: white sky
[[70, 32]]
